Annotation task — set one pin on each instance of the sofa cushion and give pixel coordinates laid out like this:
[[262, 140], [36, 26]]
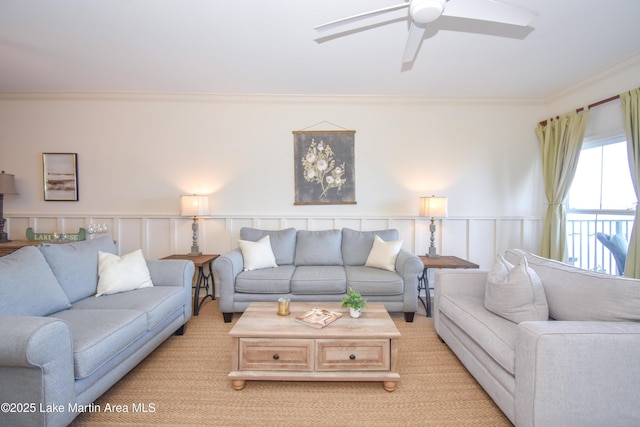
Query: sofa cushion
[[158, 302], [494, 334], [374, 281], [267, 281], [75, 265], [577, 294], [283, 242], [383, 254], [257, 255], [319, 247], [99, 335], [122, 274], [515, 292], [319, 279], [356, 245], [28, 286]]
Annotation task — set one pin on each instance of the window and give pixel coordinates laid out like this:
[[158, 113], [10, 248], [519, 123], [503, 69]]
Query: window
[[602, 180], [601, 200]]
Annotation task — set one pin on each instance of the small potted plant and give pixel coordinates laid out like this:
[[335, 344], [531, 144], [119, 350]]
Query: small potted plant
[[355, 302]]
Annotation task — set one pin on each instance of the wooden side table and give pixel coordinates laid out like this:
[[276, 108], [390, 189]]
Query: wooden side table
[[202, 281], [9, 247], [437, 262]]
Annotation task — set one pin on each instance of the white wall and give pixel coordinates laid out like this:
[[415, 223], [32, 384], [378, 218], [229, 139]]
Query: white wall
[[138, 153]]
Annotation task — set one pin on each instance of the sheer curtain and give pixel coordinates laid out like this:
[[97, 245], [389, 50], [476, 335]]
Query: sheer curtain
[[631, 110], [561, 142]]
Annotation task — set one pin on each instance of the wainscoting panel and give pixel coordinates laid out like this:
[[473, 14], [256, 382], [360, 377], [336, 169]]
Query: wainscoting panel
[[482, 239], [476, 239], [452, 237]]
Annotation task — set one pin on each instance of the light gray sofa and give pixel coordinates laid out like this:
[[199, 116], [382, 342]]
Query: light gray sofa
[[62, 347], [318, 266], [577, 368]]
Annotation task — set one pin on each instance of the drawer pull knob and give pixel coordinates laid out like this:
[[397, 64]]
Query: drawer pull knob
[[352, 357], [276, 356]]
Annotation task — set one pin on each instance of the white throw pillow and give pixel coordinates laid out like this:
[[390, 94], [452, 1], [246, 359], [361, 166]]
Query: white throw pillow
[[121, 274], [383, 254], [258, 254], [515, 292]]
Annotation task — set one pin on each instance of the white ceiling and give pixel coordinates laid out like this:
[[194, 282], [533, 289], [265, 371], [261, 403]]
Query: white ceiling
[[270, 47]]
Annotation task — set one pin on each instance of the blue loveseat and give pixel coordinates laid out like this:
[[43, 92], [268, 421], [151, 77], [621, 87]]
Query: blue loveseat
[[318, 266], [63, 347]]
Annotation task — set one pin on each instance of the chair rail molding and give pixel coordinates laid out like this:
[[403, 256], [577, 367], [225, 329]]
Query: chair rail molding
[[477, 239]]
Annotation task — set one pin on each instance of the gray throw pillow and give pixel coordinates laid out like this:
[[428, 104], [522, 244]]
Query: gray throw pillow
[[28, 286], [75, 265], [356, 245], [319, 247], [283, 242], [515, 292]]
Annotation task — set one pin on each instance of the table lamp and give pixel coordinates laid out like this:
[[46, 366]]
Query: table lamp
[[194, 206], [7, 186], [433, 207]]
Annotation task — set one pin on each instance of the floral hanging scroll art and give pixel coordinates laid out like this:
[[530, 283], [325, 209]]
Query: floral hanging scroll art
[[324, 167]]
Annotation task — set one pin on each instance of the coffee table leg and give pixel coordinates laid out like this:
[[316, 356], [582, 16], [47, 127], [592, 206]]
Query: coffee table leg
[[237, 384], [390, 385]]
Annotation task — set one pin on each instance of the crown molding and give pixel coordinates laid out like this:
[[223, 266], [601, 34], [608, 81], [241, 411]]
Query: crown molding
[[262, 98]]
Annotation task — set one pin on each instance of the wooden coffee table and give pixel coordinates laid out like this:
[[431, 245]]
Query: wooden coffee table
[[268, 347]]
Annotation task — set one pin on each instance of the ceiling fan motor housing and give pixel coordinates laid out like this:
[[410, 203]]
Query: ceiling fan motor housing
[[426, 11]]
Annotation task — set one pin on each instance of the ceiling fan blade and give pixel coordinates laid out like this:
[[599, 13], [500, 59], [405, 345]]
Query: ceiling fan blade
[[416, 32], [348, 19], [490, 10]]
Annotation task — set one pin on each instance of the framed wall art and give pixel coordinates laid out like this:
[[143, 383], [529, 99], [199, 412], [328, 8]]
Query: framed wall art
[[60, 173], [324, 167]]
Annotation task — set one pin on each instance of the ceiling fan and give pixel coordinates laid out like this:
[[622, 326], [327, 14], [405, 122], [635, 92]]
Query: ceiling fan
[[423, 12]]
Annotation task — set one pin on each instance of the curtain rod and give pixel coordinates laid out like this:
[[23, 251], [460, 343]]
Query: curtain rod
[[595, 104]]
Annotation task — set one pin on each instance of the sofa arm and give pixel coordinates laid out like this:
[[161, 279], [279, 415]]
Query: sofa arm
[[225, 269], [36, 361], [577, 373], [174, 272], [409, 266], [171, 272]]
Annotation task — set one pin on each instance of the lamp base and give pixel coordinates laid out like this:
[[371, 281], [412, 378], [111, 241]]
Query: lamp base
[[195, 251], [4, 237], [432, 252]]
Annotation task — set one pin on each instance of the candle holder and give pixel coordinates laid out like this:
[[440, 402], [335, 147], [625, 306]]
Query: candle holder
[[283, 306]]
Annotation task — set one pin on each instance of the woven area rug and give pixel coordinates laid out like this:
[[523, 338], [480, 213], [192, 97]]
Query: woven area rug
[[184, 383]]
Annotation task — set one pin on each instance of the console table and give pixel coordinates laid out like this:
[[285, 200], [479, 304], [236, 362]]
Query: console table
[[437, 262], [202, 281]]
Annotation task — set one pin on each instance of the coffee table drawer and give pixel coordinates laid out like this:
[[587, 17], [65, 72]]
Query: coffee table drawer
[[276, 354], [353, 355]]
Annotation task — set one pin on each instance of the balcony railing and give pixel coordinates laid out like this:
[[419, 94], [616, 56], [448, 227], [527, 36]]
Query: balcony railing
[[584, 249]]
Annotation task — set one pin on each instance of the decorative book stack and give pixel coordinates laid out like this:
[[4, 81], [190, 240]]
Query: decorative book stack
[[318, 317]]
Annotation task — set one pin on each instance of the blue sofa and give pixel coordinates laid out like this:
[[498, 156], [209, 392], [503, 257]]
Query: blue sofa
[[62, 346], [318, 266]]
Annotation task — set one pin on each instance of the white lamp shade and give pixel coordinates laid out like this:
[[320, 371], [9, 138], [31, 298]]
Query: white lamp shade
[[7, 184], [433, 207], [194, 205]]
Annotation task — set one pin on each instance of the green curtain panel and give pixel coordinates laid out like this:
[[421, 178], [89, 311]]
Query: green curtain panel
[[561, 142], [631, 110]]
